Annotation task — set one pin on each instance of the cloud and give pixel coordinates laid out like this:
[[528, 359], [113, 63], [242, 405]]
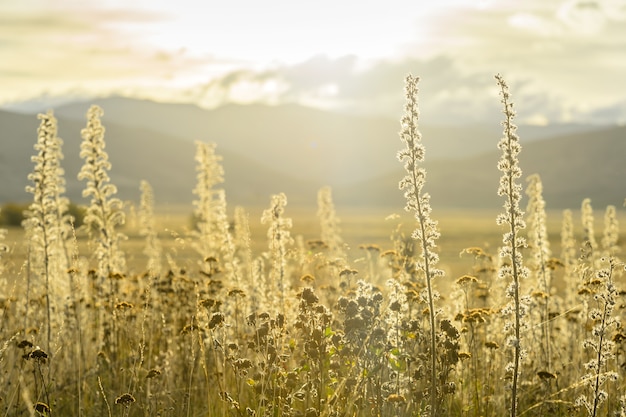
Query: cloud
[[588, 17], [449, 92], [448, 95], [562, 59], [62, 50]]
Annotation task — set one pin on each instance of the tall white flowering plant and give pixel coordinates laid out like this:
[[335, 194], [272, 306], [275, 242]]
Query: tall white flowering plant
[[426, 233], [513, 268]]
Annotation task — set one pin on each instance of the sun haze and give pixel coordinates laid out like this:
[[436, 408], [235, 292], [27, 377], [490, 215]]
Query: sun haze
[[565, 57]]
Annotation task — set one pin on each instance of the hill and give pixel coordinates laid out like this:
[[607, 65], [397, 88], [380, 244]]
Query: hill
[[301, 142], [297, 150], [572, 167], [164, 161]]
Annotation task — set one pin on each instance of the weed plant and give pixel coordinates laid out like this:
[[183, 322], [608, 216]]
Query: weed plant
[[300, 329]]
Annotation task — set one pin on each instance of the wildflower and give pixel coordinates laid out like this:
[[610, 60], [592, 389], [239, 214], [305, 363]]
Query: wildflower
[[602, 348], [210, 206], [279, 237], [539, 294], [226, 397], [125, 399], [449, 388], [449, 329], [329, 223], [217, 319], [395, 306], [611, 232], [153, 373], [210, 303], [311, 412], [348, 271], [38, 355], [513, 242], [189, 328], [24, 344], [307, 278], [242, 364], [42, 408], [619, 337], [546, 375], [554, 263], [235, 292], [464, 355], [47, 223], [371, 247], [316, 244], [492, 345], [466, 279], [124, 306], [396, 398], [477, 252], [308, 296], [147, 221], [105, 212], [418, 202]]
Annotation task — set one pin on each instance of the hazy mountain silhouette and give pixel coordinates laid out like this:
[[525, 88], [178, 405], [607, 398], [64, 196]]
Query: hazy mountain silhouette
[[302, 142], [296, 150], [572, 167], [164, 161]]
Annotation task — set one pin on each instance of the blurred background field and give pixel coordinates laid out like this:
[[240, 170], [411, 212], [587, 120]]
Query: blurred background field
[[460, 229]]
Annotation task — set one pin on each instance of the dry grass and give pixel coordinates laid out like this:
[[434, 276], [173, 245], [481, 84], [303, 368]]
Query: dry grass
[[254, 314]]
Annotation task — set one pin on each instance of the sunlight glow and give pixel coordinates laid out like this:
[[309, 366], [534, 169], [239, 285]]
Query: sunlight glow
[[326, 53]]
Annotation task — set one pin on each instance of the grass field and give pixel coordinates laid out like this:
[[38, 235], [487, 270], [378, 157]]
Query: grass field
[[459, 230], [281, 312]]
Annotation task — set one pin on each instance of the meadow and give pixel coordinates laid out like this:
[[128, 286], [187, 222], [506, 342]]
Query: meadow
[[273, 311]]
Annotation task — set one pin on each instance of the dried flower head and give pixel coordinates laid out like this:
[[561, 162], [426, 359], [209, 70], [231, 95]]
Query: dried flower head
[[123, 306], [217, 319], [308, 296], [465, 355], [24, 344], [42, 408], [396, 399], [492, 345], [307, 278], [546, 375], [466, 279], [38, 354], [125, 399]]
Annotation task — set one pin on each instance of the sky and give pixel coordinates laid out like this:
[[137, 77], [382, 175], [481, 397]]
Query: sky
[[564, 60]]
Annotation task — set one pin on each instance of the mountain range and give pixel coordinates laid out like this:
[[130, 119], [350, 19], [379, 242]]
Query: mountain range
[[297, 150]]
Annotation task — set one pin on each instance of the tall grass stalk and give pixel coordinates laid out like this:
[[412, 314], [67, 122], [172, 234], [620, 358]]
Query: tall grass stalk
[[418, 202], [512, 217], [105, 212], [153, 249], [47, 214], [329, 224], [209, 201], [279, 237], [539, 258], [602, 347]]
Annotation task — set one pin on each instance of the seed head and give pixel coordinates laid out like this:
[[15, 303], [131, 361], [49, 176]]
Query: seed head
[[546, 375], [125, 399], [153, 373], [42, 408]]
